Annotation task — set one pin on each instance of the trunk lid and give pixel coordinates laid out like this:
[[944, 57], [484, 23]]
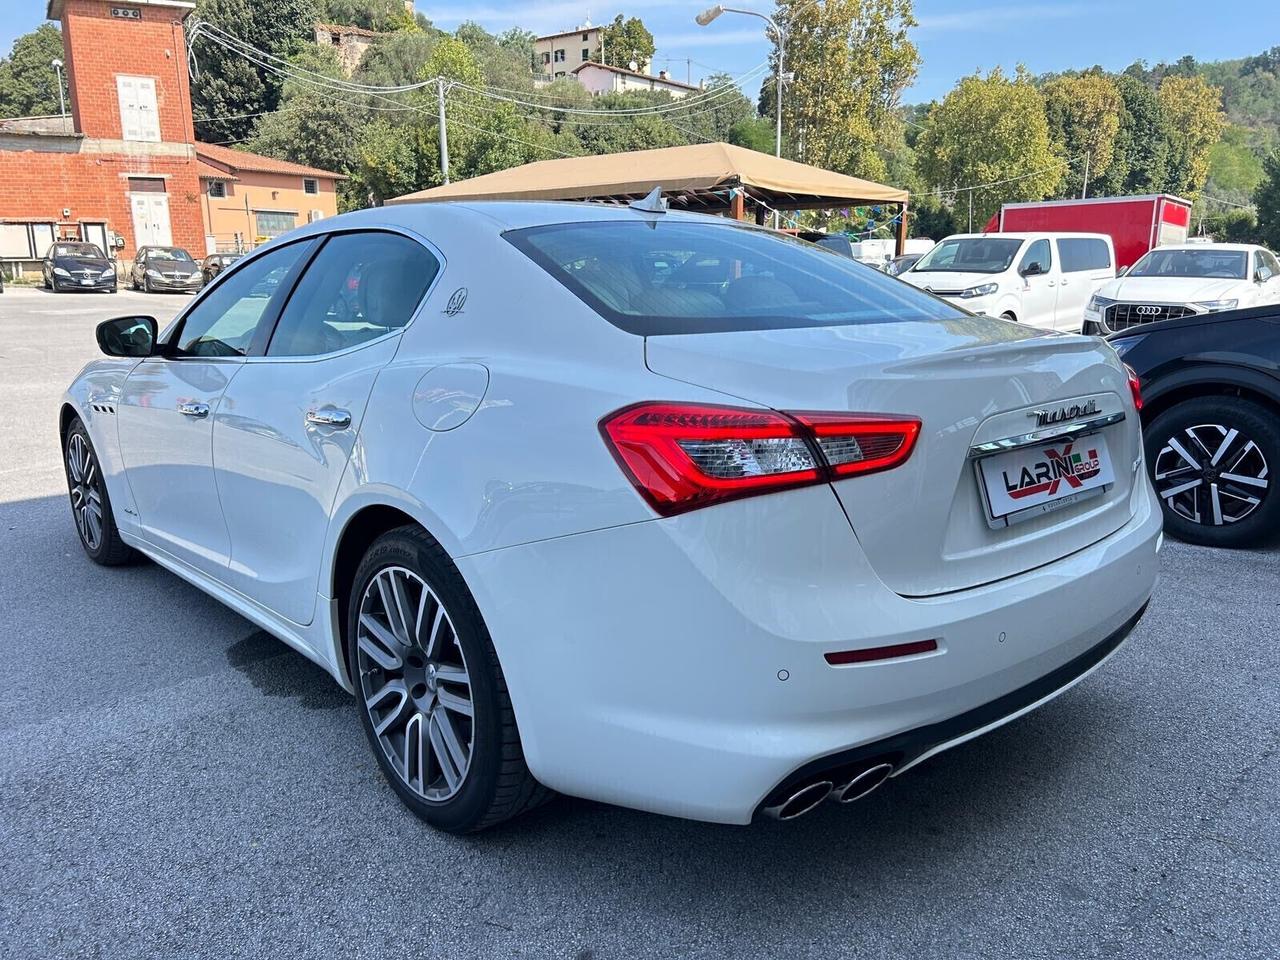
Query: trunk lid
[[925, 526]]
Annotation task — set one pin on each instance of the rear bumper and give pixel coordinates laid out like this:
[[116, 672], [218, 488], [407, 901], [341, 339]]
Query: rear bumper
[[677, 665]]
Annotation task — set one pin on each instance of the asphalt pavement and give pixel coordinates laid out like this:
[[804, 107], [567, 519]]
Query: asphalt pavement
[[176, 783]]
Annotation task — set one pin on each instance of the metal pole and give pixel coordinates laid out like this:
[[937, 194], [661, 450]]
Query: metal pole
[[777, 92], [62, 104], [1084, 190], [970, 230], [444, 132]]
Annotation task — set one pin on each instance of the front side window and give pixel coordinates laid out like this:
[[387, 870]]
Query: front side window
[[970, 255], [359, 287], [683, 277], [1083, 253], [1220, 264], [1269, 263], [223, 324], [1037, 260]]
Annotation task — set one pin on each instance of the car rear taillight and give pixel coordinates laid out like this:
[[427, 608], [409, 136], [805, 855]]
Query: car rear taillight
[[684, 456], [1135, 386]]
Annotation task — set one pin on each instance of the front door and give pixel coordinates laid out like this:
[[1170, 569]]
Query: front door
[[151, 219], [289, 421], [1039, 287], [169, 404]]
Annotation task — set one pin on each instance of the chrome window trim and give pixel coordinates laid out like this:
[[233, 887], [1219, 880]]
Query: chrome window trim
[[1045, 436]]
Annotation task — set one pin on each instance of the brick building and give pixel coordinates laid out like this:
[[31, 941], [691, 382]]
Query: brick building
[[122, 170]]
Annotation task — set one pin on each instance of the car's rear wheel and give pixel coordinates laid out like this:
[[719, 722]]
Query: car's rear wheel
[[1213, 462], [90, 504], [433, 700]]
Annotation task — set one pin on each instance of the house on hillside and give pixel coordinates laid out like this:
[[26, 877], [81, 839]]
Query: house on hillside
[[557, 54], [349, 43], [602, 78], [124, 170]]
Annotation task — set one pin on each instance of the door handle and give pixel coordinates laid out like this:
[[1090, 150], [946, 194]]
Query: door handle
[[190, 409], [329, 417], [1051, 283]]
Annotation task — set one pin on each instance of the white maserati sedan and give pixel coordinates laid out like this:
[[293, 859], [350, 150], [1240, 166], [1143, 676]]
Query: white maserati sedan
[[641, 506]]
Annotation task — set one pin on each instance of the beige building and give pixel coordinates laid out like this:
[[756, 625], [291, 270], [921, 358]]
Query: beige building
[[559, 53], [247, 199], [349, 43], [602, 78]]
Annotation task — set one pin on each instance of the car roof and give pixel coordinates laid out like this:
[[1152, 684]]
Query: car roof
[[1029, 235], [1240, 247], [507, 214]]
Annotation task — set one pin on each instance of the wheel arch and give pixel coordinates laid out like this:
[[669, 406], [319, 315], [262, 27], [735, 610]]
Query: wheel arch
[[365, 524], [1211, 381], [65, 416]]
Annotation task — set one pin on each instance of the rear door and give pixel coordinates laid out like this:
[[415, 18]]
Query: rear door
[[1039, 294], [168, 405], [291, 418]]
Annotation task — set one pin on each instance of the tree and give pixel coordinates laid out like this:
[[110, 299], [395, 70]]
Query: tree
[[1140, 158], [227, 85], [852, 60], [28, 82], [1194, 122], [627, 40], [313, 127], [756, 133], [1084, 118], [381, 15], [990, 130], [1267, 201]]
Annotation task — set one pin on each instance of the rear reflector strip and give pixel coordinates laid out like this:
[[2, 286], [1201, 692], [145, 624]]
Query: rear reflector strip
[[867, 654]]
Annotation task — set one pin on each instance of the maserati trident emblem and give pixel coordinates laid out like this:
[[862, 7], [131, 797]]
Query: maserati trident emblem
[[1047, 418]]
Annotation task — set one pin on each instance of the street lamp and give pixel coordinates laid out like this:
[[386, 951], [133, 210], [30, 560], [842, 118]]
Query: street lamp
[[780, 38], [57, 68]]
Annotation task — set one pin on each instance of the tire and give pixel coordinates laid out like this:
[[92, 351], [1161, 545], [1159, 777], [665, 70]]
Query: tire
[[1008, 316], [490, 781], [146, 285], [1246, 471], [96, 528]]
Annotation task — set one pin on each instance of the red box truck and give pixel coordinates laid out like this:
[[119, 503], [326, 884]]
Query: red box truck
[[1135, 224]]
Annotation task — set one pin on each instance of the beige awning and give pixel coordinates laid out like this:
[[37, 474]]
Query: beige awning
[[700, 177]]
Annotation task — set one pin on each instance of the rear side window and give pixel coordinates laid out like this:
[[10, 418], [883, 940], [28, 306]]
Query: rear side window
[[359, 287], [675, 276], [1083, 253]]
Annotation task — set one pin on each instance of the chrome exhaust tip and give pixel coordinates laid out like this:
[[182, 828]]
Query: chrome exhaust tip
[[801, 802], [863, 783]]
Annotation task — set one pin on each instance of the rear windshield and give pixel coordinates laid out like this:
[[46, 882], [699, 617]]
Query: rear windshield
[[676, 276], [970, 255], [1223, 264]]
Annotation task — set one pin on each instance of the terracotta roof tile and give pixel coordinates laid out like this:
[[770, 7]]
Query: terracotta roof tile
[[242, 160]]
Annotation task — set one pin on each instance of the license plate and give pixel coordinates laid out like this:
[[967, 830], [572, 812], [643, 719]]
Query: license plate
[[86, 283], [1031, 481]]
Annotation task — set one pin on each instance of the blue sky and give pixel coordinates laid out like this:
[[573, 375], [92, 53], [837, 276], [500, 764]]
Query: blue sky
[[955, 36]]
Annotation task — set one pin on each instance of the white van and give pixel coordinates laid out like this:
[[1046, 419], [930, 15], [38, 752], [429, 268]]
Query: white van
[[1040, 279]]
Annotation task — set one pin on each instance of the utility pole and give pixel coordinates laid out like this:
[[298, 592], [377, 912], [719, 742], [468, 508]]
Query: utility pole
[[444, 131], [970, 230], [1084, 190]]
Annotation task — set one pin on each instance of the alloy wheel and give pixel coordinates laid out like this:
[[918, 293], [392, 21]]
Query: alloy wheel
[[86, 497], [415, 684], [1211, 474]]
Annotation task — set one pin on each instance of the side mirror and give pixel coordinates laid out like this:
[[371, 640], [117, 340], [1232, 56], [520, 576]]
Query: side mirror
[[1261, 275], [1032, 269], [128, 336], [1122, 271]]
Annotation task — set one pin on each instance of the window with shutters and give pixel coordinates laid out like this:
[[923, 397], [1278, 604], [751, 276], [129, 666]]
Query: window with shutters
[[139, 117]]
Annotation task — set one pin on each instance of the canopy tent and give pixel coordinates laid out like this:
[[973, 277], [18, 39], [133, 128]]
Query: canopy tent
[[706, 177]]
